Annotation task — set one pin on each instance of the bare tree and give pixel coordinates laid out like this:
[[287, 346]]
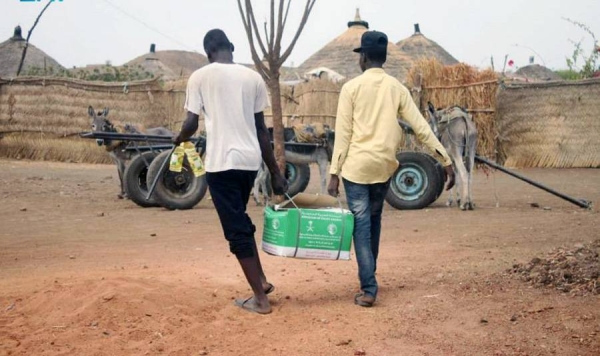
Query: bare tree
[[273, 57], [29, 36]]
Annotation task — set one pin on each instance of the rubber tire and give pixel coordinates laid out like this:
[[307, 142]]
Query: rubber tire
[[300, 180], [169, 198], [441, 174], [419, 165], [134, 180]]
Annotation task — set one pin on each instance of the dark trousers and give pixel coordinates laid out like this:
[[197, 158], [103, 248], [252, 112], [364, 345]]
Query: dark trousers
[[230, 191]]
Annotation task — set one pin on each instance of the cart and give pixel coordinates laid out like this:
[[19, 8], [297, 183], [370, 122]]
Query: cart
[[149, 183]]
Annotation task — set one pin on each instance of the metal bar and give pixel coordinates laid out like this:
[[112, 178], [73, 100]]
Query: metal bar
[[126, 137], [161, 171], [579, 202], [150, 148], [302, 144]]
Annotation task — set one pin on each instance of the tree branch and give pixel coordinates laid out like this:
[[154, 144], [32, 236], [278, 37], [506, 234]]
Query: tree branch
[[307, 10], [277, 46], [272, 35], [260, 67], [269, 43], [251, 17], [29, 36], [287, 11]]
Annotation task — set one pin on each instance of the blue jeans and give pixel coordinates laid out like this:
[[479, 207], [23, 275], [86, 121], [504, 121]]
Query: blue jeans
[[366, 203]]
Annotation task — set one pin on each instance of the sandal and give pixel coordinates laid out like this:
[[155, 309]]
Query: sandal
[[270, 289], [364, 300], [250, 305]]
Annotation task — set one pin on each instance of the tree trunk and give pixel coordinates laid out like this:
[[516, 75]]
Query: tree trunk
[[276, 109]]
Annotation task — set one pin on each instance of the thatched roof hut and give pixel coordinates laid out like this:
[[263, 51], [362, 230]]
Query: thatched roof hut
[[36, 60], [418, 46], [169, 64], [535, 73], [337, 55]]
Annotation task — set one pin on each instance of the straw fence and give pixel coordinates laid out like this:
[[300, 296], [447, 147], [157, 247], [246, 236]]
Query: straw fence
[[463, 85], [554, 124], [308, 102], [40, 118], [536, 125]]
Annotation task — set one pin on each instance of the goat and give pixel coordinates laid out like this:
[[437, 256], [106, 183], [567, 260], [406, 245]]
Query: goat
[[115, 148], [457, 132]]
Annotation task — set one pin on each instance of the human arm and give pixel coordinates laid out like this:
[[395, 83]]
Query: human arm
[[188, 129], [410, 113], [343, 134], [278, 182], [193, 106]]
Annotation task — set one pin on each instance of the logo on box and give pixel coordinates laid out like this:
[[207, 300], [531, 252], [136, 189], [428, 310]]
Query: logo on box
[[332, 229], [275, 224]]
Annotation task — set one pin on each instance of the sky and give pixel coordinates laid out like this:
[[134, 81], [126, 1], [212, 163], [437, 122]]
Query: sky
[[81, 32]]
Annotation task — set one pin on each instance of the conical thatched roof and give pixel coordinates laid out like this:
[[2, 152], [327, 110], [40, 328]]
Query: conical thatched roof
[[170, 64], [418, 46], [337, 55], [11, 51], [536, 72]]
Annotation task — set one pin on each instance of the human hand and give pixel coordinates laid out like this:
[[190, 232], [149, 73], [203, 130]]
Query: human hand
[[279, 183], [449, 177], [176, 139], [334, 186]]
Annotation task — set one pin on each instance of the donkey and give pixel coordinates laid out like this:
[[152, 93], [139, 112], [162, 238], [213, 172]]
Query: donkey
[[320, 155], [260, 185], [115, 148], [297, 154], [457, 132]]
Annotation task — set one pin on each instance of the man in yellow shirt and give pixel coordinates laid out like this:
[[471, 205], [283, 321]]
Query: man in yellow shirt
[[367, 139]]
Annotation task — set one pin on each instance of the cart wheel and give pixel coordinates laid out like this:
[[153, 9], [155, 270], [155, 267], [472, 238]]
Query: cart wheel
[[298, 176], [441, 175], [415, 184], [176, 190], [135, 180]]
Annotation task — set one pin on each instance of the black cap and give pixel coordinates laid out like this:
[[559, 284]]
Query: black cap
[[372, 41]]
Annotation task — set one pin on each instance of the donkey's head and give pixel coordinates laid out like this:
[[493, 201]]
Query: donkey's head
[[100, 123], [434, 118]]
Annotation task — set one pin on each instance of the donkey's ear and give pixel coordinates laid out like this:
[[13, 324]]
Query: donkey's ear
[[430, 107], [105, 112], [91, 111]]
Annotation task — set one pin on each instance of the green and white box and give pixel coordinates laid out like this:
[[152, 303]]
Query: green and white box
[[308, 226]]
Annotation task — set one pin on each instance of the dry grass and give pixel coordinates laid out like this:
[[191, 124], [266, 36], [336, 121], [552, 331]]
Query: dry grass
[[550, 124], [462, 85], [44, 147], [310, 102], [58, 107]]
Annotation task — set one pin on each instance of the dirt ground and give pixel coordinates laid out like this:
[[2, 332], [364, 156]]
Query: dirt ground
[[83, 273]]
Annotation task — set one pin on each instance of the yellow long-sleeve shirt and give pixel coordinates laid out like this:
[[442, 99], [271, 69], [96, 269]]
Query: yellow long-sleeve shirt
[[367, 134]]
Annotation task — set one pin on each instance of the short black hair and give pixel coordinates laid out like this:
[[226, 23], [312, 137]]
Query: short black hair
[[376, 55], [216, 40]]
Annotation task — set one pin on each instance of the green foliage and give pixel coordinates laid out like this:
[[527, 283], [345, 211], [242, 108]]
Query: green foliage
[[105, 73], [568, 74], [582, 65]]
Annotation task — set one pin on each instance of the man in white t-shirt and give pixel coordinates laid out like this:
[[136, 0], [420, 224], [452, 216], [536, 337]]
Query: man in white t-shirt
[[233, 98]]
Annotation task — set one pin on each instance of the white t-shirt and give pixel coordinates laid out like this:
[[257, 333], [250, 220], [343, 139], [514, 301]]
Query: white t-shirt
[[229, 95]]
